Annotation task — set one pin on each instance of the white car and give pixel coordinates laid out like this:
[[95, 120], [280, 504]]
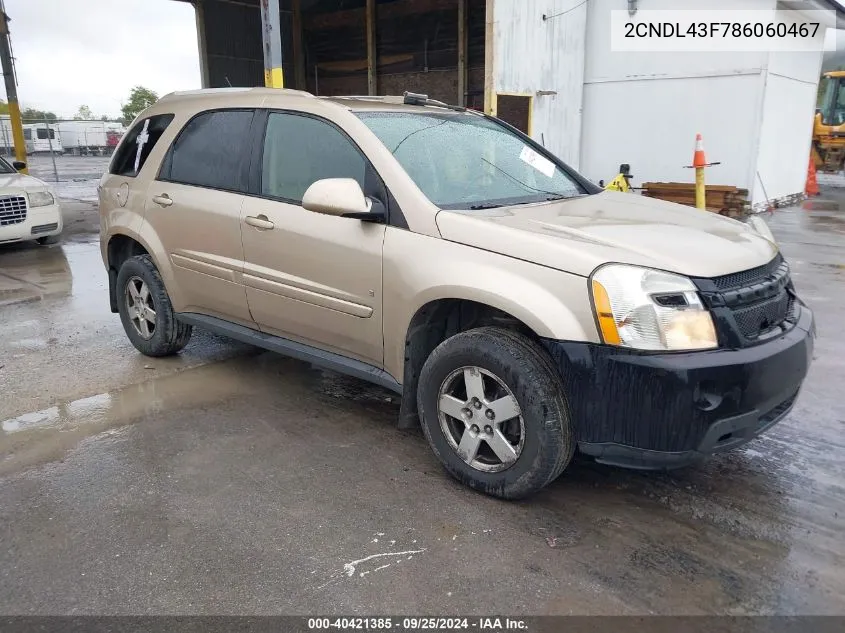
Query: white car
[[29, 208]]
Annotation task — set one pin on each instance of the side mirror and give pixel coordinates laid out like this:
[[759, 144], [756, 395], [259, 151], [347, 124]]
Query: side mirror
[[19, 165], [342, 197]]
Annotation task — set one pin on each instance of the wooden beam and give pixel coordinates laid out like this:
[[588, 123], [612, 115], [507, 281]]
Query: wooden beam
[[372, 79], [398, 9], [298, 53], [462, 52], [205, 81], [490, 60]]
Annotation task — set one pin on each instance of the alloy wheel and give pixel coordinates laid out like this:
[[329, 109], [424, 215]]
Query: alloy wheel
[[140, 307], [481, 419]]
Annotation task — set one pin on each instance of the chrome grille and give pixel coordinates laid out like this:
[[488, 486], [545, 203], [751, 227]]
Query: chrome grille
[[12, 210]]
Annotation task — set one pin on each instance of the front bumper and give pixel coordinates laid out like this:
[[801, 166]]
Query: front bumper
[[40, 222], [656, 411]]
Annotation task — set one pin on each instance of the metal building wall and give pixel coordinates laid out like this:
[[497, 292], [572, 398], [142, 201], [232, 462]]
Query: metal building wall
[[230, 34], [755, 109], [544, 59]]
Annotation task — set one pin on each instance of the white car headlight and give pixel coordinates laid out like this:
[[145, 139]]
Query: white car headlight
[[650, 309], [40, 198], [759, 225]]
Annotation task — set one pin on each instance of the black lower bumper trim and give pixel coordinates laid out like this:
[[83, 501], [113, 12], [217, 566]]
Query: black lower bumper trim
[[722, 436], [645, 410]]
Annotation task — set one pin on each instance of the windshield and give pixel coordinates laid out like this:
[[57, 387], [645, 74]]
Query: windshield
[[464, 161], [6, 168]]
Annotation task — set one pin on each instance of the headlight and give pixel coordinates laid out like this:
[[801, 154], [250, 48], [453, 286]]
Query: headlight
[[650, 310], [40, 198], [759, 225]]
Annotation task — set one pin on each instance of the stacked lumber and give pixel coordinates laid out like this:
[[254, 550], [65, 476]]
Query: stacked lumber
[[723, 199]]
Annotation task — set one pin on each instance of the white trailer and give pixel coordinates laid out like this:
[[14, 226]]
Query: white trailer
[[83, 138], [40, 138]]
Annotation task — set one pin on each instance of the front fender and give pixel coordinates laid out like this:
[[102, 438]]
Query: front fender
[[419, 269]]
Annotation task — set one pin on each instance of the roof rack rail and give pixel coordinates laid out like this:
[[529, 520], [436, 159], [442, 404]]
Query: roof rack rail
[[417, 99]]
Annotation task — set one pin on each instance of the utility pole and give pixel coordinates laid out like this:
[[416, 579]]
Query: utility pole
[[11, 88], [50, 143], [272, 40]]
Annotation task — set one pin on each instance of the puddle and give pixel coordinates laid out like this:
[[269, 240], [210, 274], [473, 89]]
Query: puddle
[[836, 267], [43, 435], [821, 205], [29, 272]]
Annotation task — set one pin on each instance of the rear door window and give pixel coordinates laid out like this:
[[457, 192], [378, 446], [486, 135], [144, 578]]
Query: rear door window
[[138, 144], [212, 151]]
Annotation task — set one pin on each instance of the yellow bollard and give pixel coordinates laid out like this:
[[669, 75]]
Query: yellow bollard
[[699, 162], [700, 189]]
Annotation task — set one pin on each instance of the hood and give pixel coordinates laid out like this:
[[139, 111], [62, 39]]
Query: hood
[[581, 234], [21, 181]]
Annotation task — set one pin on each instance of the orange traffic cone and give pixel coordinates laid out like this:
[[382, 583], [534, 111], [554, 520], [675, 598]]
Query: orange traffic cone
[[812, 188], [698, 159]]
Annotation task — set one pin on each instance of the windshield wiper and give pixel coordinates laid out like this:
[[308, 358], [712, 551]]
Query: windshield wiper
[[479, 207]]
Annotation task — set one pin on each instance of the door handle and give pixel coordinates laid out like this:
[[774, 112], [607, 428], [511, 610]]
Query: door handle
[[259, 222], [163, 200]]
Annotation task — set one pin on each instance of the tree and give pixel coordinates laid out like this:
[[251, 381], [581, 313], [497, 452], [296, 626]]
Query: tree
[[84, 114], [31, 115], [4, 107], [140, 98]]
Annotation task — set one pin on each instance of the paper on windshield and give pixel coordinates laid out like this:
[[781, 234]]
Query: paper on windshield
[[538, 162]]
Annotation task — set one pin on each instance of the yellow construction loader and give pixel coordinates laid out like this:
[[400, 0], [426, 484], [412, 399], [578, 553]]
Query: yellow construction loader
[[829, 125]]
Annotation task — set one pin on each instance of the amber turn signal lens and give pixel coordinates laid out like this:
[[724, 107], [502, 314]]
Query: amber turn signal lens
[[607, 325]]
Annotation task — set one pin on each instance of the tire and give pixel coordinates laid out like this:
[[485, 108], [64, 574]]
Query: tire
[[50, 239], [163, 334], [511, 365]]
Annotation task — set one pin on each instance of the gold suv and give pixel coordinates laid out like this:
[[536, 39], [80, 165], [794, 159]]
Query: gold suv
[[520, 311]]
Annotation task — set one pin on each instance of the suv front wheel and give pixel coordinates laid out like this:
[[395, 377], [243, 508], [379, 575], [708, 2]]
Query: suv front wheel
[[145, 309], [493, 410]]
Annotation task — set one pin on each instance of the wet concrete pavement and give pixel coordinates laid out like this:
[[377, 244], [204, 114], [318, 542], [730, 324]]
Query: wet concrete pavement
[[232, 481]]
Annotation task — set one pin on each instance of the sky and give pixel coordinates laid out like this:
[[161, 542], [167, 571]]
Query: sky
[[74, 52]]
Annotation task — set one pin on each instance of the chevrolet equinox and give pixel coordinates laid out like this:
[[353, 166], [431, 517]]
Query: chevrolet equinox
[[519, 310]]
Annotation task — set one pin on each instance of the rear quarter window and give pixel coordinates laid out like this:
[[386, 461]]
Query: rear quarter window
[[139, 142], [211, 151]]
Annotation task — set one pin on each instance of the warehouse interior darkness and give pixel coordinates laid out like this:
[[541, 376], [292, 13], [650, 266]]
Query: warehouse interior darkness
[[418, 46]]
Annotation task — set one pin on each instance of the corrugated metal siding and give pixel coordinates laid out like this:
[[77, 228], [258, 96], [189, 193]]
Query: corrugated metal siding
[[233, 43], [535, 56]]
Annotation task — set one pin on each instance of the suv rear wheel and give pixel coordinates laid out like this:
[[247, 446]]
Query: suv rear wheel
[[145, 309], [493, 410]]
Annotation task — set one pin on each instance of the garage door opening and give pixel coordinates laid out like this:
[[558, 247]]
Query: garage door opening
[[434, 47]]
